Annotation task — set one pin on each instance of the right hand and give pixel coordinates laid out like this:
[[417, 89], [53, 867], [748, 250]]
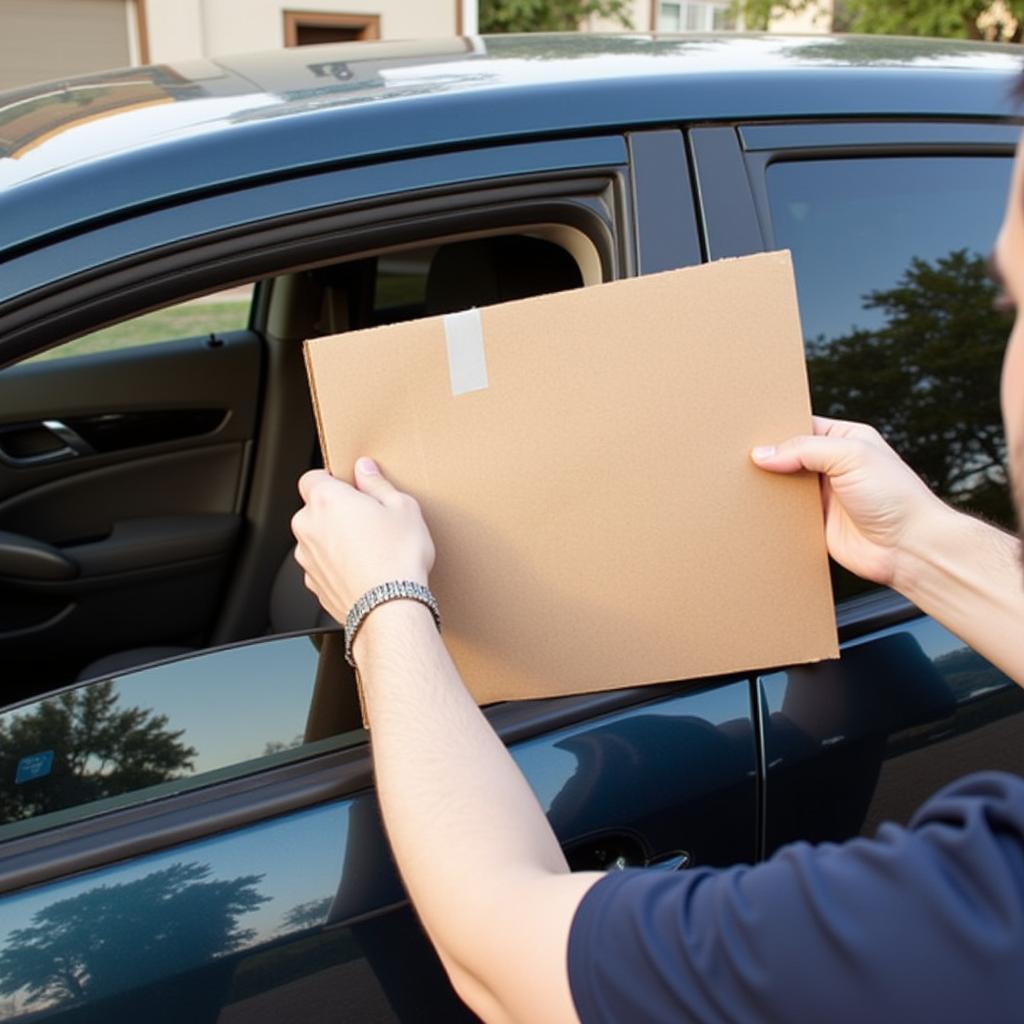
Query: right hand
[[875, 504]]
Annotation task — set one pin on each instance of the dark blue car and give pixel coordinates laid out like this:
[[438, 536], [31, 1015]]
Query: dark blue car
[[188, 830]]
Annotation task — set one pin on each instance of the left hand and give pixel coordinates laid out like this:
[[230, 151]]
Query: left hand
[[351, 539]]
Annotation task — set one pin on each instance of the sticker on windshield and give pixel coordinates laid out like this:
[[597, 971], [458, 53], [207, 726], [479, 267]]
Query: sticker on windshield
[[35, 766]]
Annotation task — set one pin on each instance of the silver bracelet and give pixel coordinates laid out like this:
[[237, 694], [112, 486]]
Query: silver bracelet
[[376, 596]]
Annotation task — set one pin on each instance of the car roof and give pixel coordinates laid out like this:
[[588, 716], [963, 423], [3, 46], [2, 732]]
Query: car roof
[[97, 145]]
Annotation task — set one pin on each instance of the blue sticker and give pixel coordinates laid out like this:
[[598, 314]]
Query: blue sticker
[[35, 766]]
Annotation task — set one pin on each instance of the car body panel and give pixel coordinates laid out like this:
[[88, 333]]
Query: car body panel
[[201, 216], [868, 739]]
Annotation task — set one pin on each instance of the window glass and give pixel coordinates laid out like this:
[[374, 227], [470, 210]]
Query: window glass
[[898, 309], [223, 311], [669, 17], [401, 284], [164, 729]]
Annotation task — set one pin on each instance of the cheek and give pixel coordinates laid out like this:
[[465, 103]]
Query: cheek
[[1012, 390]]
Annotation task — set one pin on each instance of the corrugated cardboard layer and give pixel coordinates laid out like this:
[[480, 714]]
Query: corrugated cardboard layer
[[597, 518]]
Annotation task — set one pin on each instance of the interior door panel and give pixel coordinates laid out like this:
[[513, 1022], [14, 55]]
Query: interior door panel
[[121, 489]]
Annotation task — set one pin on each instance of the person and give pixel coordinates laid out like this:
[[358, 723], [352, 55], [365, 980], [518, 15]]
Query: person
[[924, 922]]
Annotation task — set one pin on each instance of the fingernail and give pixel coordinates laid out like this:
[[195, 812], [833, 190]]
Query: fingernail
[[367, 466], [762, 452]]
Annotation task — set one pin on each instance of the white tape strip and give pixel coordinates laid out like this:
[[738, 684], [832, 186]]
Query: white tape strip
[[467, 361]]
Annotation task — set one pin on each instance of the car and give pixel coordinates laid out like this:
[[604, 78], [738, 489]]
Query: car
[[189, 830]]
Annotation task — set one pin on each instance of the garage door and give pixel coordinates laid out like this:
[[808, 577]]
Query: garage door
[[44, 39]]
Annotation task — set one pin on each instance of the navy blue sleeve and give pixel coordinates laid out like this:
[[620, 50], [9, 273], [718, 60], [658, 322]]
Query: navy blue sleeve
[[924, 923]]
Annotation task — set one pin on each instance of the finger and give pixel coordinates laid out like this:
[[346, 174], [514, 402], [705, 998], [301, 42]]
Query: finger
[[829, 455], [371, 481], [310, 480], [823, 425]]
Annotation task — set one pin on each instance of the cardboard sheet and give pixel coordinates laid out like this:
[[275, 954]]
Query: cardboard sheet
[[597, 518]]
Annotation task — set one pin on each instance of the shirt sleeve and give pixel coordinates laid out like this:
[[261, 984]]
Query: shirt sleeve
[[924, 923]]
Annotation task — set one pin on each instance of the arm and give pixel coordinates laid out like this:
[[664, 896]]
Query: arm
[[883, 523], [476, 853]]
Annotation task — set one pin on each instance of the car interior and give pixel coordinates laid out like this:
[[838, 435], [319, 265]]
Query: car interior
[[146, 490]]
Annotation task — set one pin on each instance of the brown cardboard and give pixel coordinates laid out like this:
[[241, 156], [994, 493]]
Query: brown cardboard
[[597, 518]]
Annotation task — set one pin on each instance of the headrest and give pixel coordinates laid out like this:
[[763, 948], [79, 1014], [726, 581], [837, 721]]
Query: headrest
[[483, 271]]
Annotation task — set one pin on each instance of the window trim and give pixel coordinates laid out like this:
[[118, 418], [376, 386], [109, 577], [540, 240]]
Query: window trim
[[368, 25]]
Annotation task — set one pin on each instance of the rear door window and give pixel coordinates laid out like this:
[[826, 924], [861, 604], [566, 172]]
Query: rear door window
[[170, 727], [899, 311]]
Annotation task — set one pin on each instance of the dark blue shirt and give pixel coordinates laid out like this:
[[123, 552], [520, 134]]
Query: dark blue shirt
[[924, 923]]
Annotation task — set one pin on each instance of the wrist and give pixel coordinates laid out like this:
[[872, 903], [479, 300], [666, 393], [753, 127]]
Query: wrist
[[936, 537], [398, 620]]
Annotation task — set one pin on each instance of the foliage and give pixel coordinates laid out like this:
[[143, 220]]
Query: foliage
[[307, 915], [950, 19], [100, 750], [928, 378], [944, 18], [110, 937], [548, 15]]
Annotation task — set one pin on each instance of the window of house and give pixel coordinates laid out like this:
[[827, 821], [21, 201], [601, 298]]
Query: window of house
[[898, 309], [311, 28], [695, 16], [218, 313]]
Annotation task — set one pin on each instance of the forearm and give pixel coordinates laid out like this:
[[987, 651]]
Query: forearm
[[464, 825], [967, 575]]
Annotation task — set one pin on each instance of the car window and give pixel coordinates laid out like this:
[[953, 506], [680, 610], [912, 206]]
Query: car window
[[898, 310], [400, 287], [217, 313], [163, 729]]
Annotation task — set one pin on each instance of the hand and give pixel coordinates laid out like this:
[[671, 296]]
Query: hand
[[876, 507], [353, 538]]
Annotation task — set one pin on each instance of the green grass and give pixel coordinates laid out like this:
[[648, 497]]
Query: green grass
[[185, 321]]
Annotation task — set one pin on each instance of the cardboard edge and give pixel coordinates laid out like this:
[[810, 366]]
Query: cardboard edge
[[315, 395]]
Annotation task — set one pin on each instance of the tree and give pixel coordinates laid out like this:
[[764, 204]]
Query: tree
[[115, 937], [548, 15], [928, 378], [946, 18], [99, 750], [951, 19]]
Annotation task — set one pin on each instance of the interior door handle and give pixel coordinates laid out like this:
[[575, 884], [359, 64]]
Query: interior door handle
[[70, 444], [71, 438]]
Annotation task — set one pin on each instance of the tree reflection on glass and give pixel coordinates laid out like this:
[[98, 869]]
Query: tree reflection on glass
[[928, 378], [99, 750], [114, 937], [307, 915]]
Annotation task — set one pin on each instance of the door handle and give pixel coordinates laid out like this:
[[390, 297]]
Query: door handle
[[678, 860], [70, 443]]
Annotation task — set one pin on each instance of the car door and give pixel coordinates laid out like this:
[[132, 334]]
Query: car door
[[199, 839], [244, 874], [889, 224]]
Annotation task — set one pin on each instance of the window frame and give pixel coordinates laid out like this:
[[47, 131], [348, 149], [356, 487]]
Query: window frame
[[367, 25]]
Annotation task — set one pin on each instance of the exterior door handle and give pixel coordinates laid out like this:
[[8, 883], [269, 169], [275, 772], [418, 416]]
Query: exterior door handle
[[678, 860]]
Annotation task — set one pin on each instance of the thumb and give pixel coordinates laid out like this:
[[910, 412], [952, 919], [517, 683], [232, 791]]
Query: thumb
[[819, 454], [370, 481]]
